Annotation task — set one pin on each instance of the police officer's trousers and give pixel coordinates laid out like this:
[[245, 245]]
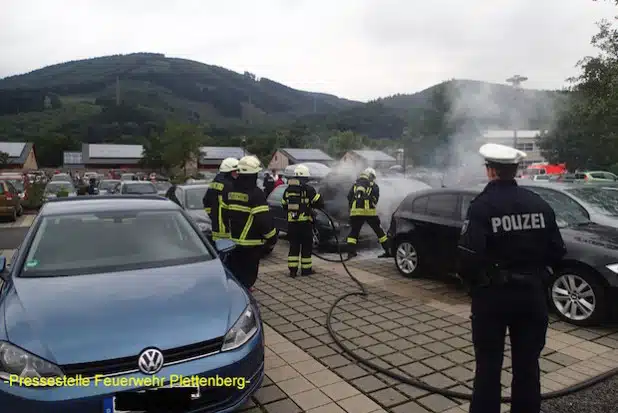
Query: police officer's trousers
[[300, 236], [523, 309], [244, 263], [356, 223]]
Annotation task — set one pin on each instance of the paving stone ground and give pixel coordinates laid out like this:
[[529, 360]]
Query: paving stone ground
[[22, 221], [416, 327]]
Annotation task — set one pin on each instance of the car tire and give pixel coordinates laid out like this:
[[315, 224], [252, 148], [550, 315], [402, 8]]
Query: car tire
[[13, 216], [317, 242], [20, 211], [406, 257], [577, 297]]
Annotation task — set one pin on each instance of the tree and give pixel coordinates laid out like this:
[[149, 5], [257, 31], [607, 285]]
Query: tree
[[181, 143], [342, 142], [4, 158], [153, 155], [586, 131]]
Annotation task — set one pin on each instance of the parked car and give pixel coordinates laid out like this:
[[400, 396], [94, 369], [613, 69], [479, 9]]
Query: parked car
[[426, 229], [18, 181], [128, 177], [53, 188], [134, 188], [10, 203], [162, 186], [61, 177], [600, 201], [106, 185], [151, 300], [190, 198]]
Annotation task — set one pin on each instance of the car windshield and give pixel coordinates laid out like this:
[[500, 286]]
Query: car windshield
[[194, 197], [17, 183], [57, 186], [112, 241], [141, 188], [603, 201], [61, 177], [107, 185], [532, 171], [163, 185]]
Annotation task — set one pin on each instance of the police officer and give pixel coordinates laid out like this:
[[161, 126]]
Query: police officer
[[248, 220], [509, 243], [363, 199], [213, 202], [298, 201]]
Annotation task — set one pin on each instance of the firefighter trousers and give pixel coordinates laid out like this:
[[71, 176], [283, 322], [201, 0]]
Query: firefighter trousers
[[300, 237], [356, 223], [244, 263]]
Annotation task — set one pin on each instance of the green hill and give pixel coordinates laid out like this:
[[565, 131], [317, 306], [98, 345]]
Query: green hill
[[171, 87]]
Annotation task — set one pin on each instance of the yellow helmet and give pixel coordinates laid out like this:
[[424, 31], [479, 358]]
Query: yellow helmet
[[301, 171], [229, 165], [249, 165]]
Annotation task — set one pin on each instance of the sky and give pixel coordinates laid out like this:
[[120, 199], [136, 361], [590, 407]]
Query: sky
[[357, 49]]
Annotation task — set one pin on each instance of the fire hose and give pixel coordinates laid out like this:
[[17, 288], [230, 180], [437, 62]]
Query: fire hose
[[413, 381]]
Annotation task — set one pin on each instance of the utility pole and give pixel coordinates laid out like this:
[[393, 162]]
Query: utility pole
[[117, 90], [516, 82]]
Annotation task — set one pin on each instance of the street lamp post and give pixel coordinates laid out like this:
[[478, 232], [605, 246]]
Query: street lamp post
[[516, 82], [243, 142]]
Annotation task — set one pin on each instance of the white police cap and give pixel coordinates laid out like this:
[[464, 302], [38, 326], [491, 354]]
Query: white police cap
[[502, 154]]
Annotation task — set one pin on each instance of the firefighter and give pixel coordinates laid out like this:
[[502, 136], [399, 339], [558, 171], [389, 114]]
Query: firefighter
[[363, 199], [299, 200], [213, 203], [249, 221]]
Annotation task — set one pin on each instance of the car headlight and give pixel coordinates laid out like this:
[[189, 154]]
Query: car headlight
[[613, 268], [243, 329], [17, 362]]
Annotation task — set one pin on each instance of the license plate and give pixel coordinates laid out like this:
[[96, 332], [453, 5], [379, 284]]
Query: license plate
[[110, 404]]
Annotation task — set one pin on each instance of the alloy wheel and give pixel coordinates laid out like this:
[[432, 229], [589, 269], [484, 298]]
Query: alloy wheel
[[406, 258], [573, 297]]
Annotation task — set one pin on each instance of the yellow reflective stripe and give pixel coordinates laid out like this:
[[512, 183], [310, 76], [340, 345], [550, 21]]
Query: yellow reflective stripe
[[238, 196], [351, 240], [283, 202], [270, 234], [245, 230], [315, 198], [292, 258], [292, 265], [239, 208], [306, 260], [306, 266], [218, 186], [258, 209], [220, 215], [208, 210], [383, 239], [248, 242]]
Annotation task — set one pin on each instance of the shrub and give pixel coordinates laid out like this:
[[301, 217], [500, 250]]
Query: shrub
[[35, 196]]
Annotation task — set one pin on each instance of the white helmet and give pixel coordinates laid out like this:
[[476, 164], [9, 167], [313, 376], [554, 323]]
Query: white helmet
[[229, 165], [370, 172], [249, 165], [301, 171]]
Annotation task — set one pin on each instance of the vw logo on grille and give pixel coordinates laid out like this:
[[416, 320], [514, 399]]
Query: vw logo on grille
[[150, 361]]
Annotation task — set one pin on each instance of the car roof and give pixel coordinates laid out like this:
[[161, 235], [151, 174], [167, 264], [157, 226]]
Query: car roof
[[102, 203], [189, 186], [136, 182]]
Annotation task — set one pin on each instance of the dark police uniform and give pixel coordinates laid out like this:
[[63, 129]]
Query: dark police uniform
[[508, 241], [250, 224], [363, 199], [214, 205], [298, 201]]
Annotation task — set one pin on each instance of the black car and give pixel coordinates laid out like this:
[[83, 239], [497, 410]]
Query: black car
[[427, 225], [323, 232]]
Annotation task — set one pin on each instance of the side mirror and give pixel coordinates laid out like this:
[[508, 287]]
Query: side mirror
[[224, 246]]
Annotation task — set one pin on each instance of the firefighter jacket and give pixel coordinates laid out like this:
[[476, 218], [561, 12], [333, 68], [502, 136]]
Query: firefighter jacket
[[363, 198], [299, 200], [247, 215], [214, 205]]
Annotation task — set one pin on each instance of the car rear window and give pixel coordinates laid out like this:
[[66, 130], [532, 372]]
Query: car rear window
[[195, 198], [139, 188], [18, 184], [443, 205], [57, 186], [112, 241], [603, 201]]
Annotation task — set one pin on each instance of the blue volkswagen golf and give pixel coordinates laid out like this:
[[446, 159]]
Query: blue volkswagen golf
[[119, 304]]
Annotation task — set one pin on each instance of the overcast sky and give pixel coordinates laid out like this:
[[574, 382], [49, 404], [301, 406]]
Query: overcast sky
[[359, 49]]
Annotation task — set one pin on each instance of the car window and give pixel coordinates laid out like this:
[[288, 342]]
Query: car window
[[107, 185], [465, 204], [444, 205], [1, 188], [276, 195], [163, 185], [112, 241], [194, 198], [57, 186], [180, 195], [11, 188], [142, 188], [603, 201], [609, 176], [18, 184], [419, 205], [580, 176], [598, 175], [567, 210]]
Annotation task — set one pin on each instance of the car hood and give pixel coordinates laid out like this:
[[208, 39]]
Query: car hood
[[87, 318], [593, 234], [199, 215]]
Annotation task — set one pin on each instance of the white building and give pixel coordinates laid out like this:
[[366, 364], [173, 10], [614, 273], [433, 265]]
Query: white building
[[526, 141]]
